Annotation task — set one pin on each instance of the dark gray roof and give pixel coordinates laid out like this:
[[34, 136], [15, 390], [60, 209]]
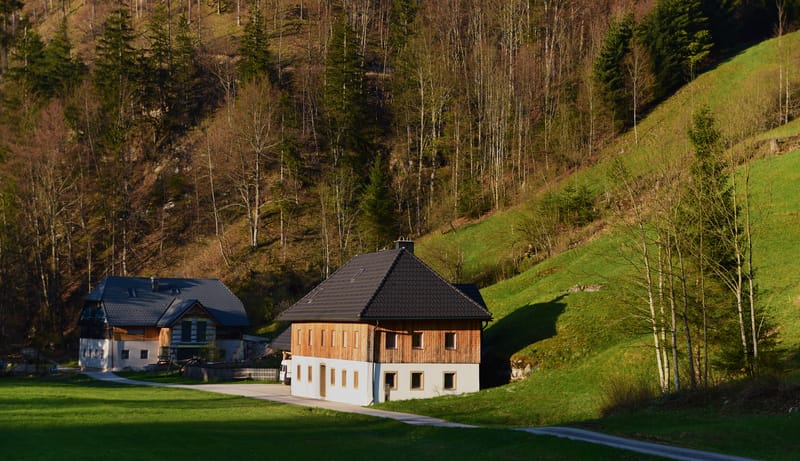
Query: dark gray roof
[[387, 285], [131, 301], [282, 342]]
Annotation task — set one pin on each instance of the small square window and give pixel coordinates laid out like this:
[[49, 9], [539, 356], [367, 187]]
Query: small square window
[[390, 380], [125, 354], [449, 381], [344, 378], [143, 353], [450, 340], [355, 380], [391, 340], [416, 340], [416, 380]]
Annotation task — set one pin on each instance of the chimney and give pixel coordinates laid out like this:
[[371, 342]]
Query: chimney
[[154, 283], [405, 244]]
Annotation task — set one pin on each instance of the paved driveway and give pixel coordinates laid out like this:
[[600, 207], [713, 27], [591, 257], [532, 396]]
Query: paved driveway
[[280, 393]]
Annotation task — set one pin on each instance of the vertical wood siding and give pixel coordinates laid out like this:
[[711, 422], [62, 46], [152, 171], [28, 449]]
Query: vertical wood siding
[[327, 340]]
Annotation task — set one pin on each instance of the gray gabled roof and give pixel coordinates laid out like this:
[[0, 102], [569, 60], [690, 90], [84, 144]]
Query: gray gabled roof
[[131, 301], [387, 285]]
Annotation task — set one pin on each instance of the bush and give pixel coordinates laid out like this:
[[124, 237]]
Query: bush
[[621, 392]]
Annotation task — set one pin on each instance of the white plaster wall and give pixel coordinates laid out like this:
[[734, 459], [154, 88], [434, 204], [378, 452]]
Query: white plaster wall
[[135, 360], [232, 348], [303, 387], [94, 353], [467, 379]]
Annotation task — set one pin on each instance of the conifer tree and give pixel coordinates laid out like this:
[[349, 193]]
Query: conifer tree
[[377, 221], [60, 71], [117, 76], [609, 71], [345, 102], [256, 60], [677, 35]]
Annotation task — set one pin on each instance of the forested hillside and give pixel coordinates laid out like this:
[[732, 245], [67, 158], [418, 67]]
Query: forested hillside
[[265, 142]]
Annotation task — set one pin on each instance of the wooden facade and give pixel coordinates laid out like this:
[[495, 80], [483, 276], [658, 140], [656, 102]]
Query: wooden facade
[[136, 333], [367, 342]]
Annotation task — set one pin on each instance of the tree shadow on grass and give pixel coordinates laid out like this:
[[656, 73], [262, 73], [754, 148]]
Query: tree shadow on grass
[[524, 326]]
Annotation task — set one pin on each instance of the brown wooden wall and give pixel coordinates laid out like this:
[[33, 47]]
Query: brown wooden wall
[[136, 333], [327, 340], [468, 341], [307, 340]]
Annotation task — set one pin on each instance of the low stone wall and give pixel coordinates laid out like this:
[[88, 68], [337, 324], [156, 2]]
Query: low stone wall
[[231, 374]]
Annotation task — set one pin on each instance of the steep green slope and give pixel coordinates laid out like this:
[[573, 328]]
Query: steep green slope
[[578, 340], [742, 92]]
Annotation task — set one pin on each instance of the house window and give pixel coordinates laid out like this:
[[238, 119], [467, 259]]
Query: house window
[[143, 354], [186, 331], [355, 339], [333, 338], [322, 338], [126, 353], [333, 376], [299, 341], [344, 339], [201, 331], [391, 340], [450, 340], [355, 380], [298, 371], [416, 380], [309, 373], [449, 380], [390, 380], [416, 340], [344, 378], [310, 336]]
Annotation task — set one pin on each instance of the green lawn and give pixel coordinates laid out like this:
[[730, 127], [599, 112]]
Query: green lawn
[[760, 436], [80, 419]]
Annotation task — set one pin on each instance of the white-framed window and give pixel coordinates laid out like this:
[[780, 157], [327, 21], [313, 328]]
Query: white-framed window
[[417, 381], [449, 380], [390, 340], [450, 340], [416, 340], [390, 380]]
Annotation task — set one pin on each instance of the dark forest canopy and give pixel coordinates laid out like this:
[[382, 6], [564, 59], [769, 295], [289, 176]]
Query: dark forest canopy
[[267, 142]]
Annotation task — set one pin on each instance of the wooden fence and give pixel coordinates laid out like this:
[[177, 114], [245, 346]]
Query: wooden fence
[[231, 374]]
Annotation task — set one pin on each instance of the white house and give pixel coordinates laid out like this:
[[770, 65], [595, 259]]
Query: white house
[[132, 322], [386, 326]]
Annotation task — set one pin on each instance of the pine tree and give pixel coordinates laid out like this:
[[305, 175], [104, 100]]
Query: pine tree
[[117, 76], [609, 72], [256, 60], [345, 102], [377, 221], [60, 72], [678, 39]]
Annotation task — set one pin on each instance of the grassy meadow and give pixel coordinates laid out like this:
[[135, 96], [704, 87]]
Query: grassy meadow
[[76, 418]]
